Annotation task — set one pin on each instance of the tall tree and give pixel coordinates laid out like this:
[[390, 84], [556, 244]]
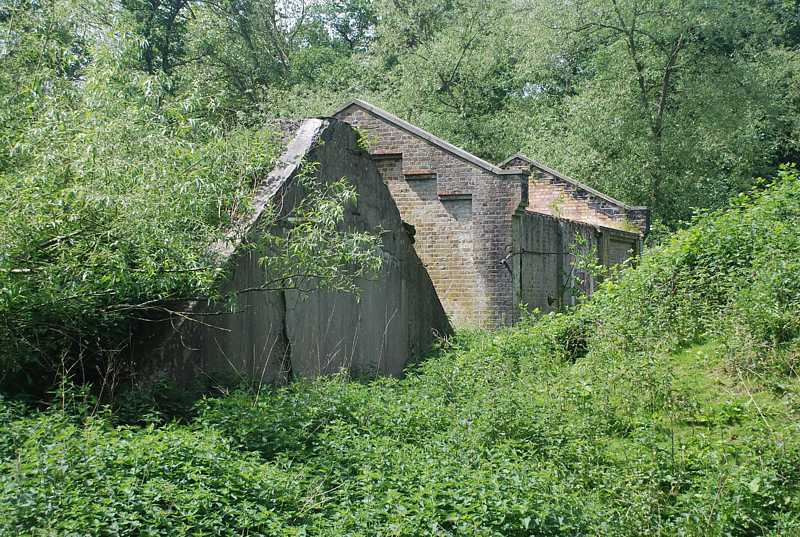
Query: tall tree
[[161, 25], [671, 107]]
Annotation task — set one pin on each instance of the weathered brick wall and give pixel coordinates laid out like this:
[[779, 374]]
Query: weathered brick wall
[[556, 200], [443, 238], [462, 214], [495, 202], [559, 196], [485, 252]]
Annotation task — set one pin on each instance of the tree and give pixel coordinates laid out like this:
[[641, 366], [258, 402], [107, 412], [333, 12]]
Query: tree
[[669, 107], [161, 25], [113, 189], [351, 22], [455, 70]]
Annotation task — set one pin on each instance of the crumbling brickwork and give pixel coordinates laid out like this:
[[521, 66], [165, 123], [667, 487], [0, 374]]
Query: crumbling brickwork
[[558, 195], [467, 214]]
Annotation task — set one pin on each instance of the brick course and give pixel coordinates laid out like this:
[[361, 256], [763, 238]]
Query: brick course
[[558, 195]]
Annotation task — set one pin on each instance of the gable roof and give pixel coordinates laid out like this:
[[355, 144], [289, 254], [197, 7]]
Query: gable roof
[[425, 135], [573, 182]]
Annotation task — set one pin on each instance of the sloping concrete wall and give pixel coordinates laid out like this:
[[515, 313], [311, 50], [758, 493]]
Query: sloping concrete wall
[[270, 336], [398, 311]]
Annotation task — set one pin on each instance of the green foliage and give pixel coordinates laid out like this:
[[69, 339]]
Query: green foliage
[[311, 252], [672, 109], [132, 135], [123, 481], [111, 202], [162, 28], [607, 420], [115, 182], [655, 103], [732, 269]]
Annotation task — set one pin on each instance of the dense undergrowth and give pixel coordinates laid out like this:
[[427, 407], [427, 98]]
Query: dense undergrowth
[[666, 405]]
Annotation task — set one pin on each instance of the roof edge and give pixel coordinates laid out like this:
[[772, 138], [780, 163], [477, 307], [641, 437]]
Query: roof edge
[[425, 135], [601, 227], [572, 181], [302, 142]]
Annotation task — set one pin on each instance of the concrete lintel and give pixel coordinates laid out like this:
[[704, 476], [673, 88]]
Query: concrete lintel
[[608, 230], [415, 173], [443, 196], [378, 155]]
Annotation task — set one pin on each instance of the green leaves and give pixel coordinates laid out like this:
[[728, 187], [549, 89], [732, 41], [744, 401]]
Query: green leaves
[[315, 248], [605, 420], [114, 189], [610, 420], [116, 204]]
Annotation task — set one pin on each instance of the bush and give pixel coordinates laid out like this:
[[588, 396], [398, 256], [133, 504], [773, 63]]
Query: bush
[[84, 478], [493, 437], [733, 269]]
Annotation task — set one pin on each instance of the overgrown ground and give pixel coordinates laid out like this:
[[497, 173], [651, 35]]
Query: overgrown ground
[[666, 405]]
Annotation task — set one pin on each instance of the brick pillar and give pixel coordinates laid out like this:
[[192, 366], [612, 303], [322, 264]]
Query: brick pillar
[[496, 199]]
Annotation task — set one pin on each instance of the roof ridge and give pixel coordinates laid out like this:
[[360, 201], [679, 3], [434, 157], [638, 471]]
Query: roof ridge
[[421, 133]]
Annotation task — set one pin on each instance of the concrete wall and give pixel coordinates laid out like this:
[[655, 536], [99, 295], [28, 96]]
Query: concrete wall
[[269, 336], [462, 213], [543, 267]]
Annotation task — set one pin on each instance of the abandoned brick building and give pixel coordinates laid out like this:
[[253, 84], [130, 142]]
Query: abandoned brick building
[[464, 242], [494, 237]]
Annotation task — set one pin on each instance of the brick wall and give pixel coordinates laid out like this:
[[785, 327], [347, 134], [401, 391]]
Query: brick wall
[[554, 194], [491, 238], [462, 213], [443, 238], [557, 200]]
